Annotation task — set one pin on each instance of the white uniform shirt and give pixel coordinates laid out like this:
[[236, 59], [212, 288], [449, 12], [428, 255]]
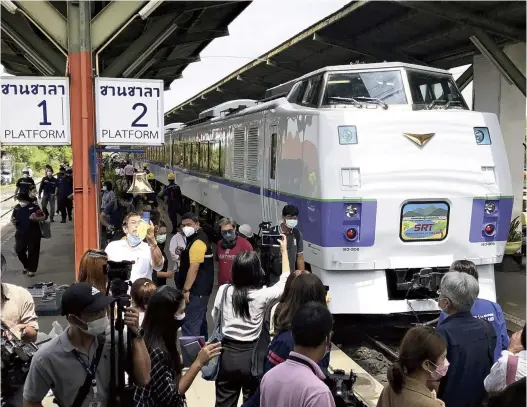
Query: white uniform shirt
[[120, 250], [496, 380], [129, 170]]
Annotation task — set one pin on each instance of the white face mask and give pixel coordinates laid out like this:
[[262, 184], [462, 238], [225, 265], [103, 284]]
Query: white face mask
[[96, 327], [188, 231], [49, 174], [291, 223], [104, 188]]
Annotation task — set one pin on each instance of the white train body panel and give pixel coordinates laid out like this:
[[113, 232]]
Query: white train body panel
[[383, 175]]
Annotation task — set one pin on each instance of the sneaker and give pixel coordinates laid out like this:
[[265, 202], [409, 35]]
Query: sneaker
[[30, 274]]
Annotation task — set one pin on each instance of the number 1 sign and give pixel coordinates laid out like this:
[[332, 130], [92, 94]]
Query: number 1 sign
[[129, 111], [35, 111]]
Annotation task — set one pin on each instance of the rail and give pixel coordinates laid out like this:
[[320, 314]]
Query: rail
[[12, 207]]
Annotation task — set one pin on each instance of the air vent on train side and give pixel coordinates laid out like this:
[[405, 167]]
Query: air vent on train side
[[227, 107]]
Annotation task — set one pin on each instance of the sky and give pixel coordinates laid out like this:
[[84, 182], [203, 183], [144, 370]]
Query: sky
[[258, 29]]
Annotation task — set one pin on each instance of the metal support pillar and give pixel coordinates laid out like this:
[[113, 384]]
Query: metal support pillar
[[465, 78], [82, 128], [495, 54]]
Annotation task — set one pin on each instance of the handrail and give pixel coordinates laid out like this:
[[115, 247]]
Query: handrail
[[7, 199]]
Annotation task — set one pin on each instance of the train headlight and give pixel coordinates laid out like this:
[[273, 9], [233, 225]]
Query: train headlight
[[490, 207], [489, 229], [351, 211], [347, 135], [352, 234], [482, 136]]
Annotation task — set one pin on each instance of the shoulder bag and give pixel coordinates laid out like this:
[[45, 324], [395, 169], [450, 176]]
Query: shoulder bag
[[210, 370]]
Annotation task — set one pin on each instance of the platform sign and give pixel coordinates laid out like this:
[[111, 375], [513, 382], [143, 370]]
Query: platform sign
[[129, 111], [35, 111]]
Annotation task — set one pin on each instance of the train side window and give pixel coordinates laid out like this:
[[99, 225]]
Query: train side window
[[272, 167], [195, 156], [187, 155], [204, 156], [312, 92], [167, 154], [297, 92]]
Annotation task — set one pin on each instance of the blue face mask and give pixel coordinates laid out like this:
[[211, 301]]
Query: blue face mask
[[133, 240]]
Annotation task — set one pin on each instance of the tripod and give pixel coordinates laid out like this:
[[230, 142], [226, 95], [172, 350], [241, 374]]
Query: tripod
[[118, 391], [265, 251]]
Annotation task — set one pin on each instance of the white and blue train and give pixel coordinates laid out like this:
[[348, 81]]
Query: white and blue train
[[394, 177]]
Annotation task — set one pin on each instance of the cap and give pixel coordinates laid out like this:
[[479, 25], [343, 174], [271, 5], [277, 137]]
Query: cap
[[145, 165], [246, 230], [151, 176], [171, 176], [83, 297]]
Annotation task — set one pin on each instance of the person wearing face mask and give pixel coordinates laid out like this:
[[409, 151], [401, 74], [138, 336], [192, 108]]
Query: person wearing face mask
[[295, 244], [168, 385], [112, 217], [422, 357], [47, 193], [299, 381], [65, 196], [196, 276], [470, 342], [108, 195], [227, 249], [146, 255], [178, 242], [25, 217], [67, 361], [25, 183], [160, 277], [172, 194]]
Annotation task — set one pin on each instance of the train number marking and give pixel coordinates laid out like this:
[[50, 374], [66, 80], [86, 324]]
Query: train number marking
[[488, 244], [350, 249]]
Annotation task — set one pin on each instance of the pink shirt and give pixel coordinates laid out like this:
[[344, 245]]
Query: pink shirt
[[226, 256], [293, 384]]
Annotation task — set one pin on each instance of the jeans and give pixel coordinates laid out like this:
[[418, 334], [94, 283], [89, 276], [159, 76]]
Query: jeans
[[196, 317], [51, 199], [27, 248]]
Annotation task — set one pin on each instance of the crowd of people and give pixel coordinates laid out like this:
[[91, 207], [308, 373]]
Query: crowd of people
[[275, 326]]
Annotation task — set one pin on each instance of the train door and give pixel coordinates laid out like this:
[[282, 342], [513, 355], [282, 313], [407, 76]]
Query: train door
[[268, 186]]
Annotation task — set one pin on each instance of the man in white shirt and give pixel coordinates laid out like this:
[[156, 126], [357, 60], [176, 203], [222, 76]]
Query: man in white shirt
[[129, 172], [146, 256]]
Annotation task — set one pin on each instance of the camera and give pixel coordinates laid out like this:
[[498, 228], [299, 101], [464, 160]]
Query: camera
[[341, 387], [15, 361], [118, 270]]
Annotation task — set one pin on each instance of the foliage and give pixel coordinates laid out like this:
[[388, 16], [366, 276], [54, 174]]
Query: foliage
[[514, 234], [38, 156]]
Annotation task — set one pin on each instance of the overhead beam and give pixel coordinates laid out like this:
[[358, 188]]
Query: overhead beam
[[275, 64], [341, 44], [13, 59], [254, 82], [143, 46], [110, 19], [465, 78], [169, 63], [30, 43], [453, 12], [48, 19], [495, 54]]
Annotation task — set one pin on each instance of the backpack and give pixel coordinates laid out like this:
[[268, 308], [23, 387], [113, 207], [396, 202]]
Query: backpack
[[262, 344]]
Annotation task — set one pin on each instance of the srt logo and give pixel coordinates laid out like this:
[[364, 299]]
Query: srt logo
[[427, 227]]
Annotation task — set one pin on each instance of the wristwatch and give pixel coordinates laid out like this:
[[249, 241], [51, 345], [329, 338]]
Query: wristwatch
[[139, 334]]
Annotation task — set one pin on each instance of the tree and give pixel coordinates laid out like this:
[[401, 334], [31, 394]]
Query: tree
[[21, 154]]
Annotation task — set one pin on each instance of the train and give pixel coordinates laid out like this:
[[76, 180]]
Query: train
[[393, 175]]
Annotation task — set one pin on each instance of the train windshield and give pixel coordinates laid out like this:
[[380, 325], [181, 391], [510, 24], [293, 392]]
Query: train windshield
[[358, 88], [434, 91]]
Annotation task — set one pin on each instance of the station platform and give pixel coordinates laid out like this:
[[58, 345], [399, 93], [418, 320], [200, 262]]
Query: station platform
[[57, 265]]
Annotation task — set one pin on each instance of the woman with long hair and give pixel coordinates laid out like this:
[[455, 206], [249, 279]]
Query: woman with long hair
[[286, 294], [422, 357], [164, 316], [141, 291], [243, 311], [92, 268]]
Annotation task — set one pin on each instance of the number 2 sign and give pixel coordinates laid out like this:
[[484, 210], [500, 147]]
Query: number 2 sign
[[129, 111]]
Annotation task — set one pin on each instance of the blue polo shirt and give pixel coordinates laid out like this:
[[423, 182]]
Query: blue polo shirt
[[470, 355], [485, 309]]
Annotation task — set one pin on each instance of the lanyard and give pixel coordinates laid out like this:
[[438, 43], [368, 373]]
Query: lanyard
[[89, 370]]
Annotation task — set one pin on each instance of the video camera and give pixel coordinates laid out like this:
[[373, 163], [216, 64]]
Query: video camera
[[15, 361], [341, 387]]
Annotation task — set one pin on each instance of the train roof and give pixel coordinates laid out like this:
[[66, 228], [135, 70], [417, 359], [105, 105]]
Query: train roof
[[354, 67]]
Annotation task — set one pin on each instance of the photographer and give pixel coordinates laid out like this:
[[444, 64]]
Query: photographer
[[295, 244], [66, 363], [18, 311], [299, 381], [147, 256]]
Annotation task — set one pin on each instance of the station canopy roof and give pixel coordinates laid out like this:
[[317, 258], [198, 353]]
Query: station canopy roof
[[418, 32], [192, 25]]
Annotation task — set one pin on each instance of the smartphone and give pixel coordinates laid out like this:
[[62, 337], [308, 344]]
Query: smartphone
[[271, 240], [326, 287], [146, 217]]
